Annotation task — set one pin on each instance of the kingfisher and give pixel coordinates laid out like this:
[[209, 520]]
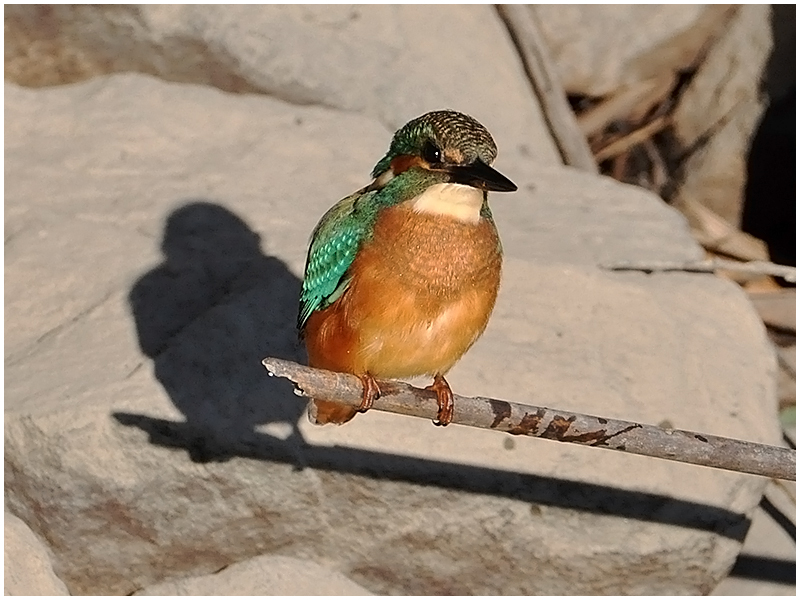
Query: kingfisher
[[402, 276]]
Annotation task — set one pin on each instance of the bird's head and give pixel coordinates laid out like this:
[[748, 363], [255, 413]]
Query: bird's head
[[450, 144]]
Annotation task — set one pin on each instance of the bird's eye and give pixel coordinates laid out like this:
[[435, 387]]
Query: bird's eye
[[431, 153]]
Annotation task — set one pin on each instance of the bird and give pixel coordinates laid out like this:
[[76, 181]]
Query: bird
[[402, 275]]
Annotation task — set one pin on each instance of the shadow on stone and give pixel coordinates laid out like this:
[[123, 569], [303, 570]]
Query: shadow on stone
[[206, 316], [769, 210], [217, 306], [760, 568], [537, 490]]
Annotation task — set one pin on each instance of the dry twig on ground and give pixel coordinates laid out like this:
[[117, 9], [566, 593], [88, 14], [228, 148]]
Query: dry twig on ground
[[542, 73], [756, 267], [634, 138], [630, 103]]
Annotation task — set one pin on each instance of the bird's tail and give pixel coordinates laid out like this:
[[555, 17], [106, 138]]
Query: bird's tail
[[321, 412]]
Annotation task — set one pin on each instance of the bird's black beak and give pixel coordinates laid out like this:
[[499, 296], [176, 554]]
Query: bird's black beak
[[482, 176]]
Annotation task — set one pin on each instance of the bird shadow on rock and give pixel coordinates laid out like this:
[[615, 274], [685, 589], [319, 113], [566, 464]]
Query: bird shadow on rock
[[216, 306], [206, 316]]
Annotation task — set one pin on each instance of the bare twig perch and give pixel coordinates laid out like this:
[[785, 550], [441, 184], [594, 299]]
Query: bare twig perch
[[543, 75], [717, 235], [755, 267], [559, 425]]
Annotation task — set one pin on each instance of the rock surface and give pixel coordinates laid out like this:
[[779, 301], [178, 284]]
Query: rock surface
[[647, 40], [718, 113], [155, 234], [27, 570], [767, 563], [390, 62], [261, 576]]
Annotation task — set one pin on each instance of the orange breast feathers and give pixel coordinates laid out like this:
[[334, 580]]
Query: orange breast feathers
[[421, 293]]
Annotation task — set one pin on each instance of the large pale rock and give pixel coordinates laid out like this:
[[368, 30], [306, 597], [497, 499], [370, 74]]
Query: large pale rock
[[767, 563], [155, 235], [27, 570], [600, 48], [391, 62], [719, 111], [261, 576]]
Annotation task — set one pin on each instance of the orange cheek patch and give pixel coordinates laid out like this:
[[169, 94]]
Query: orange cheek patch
[[454, 156], [404, 162]]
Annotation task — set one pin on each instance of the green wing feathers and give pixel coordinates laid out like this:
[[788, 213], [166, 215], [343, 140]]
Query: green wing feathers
[[334, 245]]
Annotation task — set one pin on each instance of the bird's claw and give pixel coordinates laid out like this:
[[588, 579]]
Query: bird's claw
[[371, 392], [444, 397]]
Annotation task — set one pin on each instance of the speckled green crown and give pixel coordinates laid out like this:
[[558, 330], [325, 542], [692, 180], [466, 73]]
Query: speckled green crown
[[446, 129]]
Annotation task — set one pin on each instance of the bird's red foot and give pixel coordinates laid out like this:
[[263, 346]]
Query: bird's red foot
[[444, 396], [371, 392]]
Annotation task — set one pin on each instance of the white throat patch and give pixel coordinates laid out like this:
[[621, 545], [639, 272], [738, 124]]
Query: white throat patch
[[462, 202]]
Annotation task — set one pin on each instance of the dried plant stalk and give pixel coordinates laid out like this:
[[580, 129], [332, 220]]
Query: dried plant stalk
[[543, 75]]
